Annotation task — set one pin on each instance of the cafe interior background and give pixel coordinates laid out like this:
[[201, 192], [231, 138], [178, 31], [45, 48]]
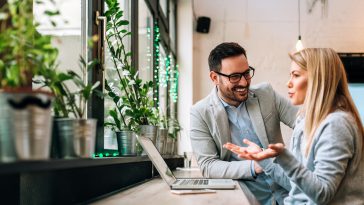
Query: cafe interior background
[[267, 29]]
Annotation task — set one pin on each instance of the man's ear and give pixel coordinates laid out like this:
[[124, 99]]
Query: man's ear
[[214, 77]]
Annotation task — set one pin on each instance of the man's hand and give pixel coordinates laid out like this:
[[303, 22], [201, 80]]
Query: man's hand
[[254, 152]]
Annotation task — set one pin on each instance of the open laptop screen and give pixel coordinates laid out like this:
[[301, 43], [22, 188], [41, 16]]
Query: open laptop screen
[[157, 159]]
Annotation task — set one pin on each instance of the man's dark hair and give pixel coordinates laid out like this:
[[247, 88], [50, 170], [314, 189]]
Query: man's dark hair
[[224, 50]]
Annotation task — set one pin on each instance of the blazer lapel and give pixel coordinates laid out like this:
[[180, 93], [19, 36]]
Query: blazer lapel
[[222, 124], [256, 118]]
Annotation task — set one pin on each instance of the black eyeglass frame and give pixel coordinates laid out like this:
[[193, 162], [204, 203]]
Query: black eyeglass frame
[[239, 74]]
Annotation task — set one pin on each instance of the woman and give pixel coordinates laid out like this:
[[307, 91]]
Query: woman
[[325, 164]]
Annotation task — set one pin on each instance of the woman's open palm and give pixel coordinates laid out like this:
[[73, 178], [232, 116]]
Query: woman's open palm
[[254, 152]]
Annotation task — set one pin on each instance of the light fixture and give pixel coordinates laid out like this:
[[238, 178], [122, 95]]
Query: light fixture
[[324, 7], [299, 45]]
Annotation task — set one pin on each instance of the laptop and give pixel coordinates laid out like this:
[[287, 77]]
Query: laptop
[[171, 180]]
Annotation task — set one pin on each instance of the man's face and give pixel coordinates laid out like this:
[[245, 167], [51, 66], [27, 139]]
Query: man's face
[[232, 93]]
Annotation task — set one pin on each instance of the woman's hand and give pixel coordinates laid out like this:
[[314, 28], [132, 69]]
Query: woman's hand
[[254, 152], [251, 149]]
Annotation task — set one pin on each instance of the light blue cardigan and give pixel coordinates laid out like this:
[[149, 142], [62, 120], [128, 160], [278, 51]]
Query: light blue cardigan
[[333, 172]]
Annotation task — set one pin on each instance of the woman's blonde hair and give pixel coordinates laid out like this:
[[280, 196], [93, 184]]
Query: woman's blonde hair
[[327, 89]]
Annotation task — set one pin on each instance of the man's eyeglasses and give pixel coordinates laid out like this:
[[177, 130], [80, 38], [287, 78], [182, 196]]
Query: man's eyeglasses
[[236, 77]]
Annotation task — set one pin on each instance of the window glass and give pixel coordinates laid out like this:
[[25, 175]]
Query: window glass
[[163, 80], [66, 32], [356, 91], [163, 5], [172, 25], [173, 88], [145, 41]]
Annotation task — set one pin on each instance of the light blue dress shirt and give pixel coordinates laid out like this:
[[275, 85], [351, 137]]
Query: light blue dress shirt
[[240, 128]]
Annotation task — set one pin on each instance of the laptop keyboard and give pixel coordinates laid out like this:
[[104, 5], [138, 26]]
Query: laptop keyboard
[[194, 182]]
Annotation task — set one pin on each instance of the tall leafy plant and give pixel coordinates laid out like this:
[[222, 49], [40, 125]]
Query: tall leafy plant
[[133, 98], [24, 52], [70, 101]]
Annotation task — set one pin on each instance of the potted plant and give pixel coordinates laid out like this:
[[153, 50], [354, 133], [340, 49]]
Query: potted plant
[[174, 129], [74, 134], [134, 109], [25, 114], [162, 133]]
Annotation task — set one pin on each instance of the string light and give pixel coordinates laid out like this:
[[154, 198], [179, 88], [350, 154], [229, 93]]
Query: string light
[[156, 67], [149, 52], [164, 73], [173, 80]]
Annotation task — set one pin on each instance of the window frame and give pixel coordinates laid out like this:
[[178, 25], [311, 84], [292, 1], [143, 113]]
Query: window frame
[[97, 73]]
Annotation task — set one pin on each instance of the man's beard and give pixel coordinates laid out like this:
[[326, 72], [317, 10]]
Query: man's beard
[[237, 94]]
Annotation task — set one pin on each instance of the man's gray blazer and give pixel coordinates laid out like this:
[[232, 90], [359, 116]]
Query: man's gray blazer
[[210, 131]]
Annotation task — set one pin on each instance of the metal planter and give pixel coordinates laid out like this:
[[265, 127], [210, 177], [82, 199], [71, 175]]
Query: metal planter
[[74, 138], [149, 131], [161, 140], [84, 137], [126, 143], [169, 146], [25, 126]]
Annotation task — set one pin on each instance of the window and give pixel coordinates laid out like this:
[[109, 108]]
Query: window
[[172, 23], [173, 87], [68, 35], [354, 66], [164, 5], [163, 80], [152, 49], [145, 38], [356, 91]]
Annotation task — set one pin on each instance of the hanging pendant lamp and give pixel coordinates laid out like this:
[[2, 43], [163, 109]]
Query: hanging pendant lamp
[[299, 45]]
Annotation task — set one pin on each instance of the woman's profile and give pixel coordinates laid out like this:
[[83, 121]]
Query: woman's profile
[[325, 162]]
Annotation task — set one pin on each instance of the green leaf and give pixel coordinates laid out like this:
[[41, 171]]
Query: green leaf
[[95, 85], [109, 124], [122, 23], [116, 99], [126, 34], [54, 24], [52, 13], [86, 92], [111, 94], [64, 77], [128, 54], [93, 63], [114, 115], [119, 14]]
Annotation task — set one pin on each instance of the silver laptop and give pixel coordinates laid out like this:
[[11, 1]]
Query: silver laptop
[[171, 180]]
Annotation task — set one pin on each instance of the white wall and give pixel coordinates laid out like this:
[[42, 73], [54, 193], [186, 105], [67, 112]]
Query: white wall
[[268, 30], [185, 62]]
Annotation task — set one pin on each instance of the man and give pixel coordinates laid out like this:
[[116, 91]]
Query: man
[[234, 111]]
